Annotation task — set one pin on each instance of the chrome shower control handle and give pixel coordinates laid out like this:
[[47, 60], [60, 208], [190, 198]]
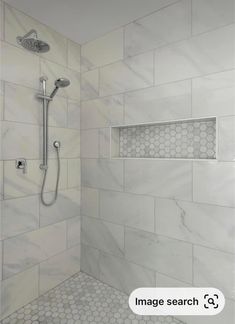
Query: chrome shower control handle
[[21, 164]]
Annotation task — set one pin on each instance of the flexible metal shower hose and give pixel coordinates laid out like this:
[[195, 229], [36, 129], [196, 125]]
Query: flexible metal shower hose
[[57, 183]]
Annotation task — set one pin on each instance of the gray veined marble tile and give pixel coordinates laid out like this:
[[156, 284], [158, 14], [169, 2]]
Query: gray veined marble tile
[[21, 104], [103, 174], [214, 94], [103, 50], [196, 56], [20, 215], [26, 250], [19, 290], [102, 112], [18, 24], [90, 202], [74, 55], [226, 139], [163, 27], [59, 268], [90, 85], [127, 209], [67, 206], [74, 173], [124, 275], [90, 143], [104, 236], [104, 143], [73, 231], [73, 114], [57, 112], [214, 269], [165, 281], [90, 261], [129, 74], [19, 66], [165, 102], [17, 184], [186, 219], [171, 179], [214, 183], [211, 14], [20, 140], [165, 255]]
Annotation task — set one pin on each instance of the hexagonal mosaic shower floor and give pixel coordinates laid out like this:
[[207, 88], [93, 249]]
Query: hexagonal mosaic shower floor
[[82, 300]]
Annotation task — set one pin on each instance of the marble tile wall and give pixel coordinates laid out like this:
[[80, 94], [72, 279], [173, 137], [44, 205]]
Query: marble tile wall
[[40, 246], [140, 217]]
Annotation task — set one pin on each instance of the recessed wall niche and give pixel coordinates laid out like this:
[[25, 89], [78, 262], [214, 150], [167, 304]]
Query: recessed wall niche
[[179, 139]]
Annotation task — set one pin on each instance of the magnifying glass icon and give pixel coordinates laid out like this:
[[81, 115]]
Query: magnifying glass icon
[[211, 301]]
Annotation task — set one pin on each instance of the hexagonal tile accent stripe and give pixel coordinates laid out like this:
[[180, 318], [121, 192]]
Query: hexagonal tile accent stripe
[[82, 300], [181, 139]]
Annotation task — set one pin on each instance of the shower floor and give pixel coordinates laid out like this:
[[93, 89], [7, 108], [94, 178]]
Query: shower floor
[[82, 300]]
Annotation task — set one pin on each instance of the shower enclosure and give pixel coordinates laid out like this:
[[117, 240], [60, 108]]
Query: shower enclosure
[[141, 132]]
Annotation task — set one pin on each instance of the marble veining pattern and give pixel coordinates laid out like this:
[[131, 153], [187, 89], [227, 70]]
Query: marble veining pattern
[[82, 300], [195, 139]]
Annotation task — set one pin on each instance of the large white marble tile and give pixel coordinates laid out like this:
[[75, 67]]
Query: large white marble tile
[[90, 85], [2, 103], [165, 102], [103, 50], [66, 206], [19, 66], [69, 139], [171, 179], [73, 114], [74, 55], [163, 27], [186, 219], [90, 143], [2, 22], [196, 56], [19, 290], [214, 94], [21, 104], [103, 174], [214, 183], [19, 216], [55, 71], [1, 180], [18, 24], [165, 281], [73, 231], [211, 14], [90, 202], [74, 173], [226, 316], [90, 261], [214, 269], [17, 184], [168, 256], [24, 251], [226, 139], [102, 112], [104, 236], [57, 112], [124, 275], [136, 211], [129, 74], [59, 268], [19, 140], [104, 143]]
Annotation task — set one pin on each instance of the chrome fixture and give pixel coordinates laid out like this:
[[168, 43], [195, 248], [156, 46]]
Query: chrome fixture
[[60, 83], [21, 164], [33, 44]]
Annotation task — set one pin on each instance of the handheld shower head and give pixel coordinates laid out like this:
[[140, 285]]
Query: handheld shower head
[[33, 44], [60, 83]]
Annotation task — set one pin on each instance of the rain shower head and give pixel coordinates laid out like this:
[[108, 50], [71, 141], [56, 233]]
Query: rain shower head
[[60, 83], [33, 44]]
